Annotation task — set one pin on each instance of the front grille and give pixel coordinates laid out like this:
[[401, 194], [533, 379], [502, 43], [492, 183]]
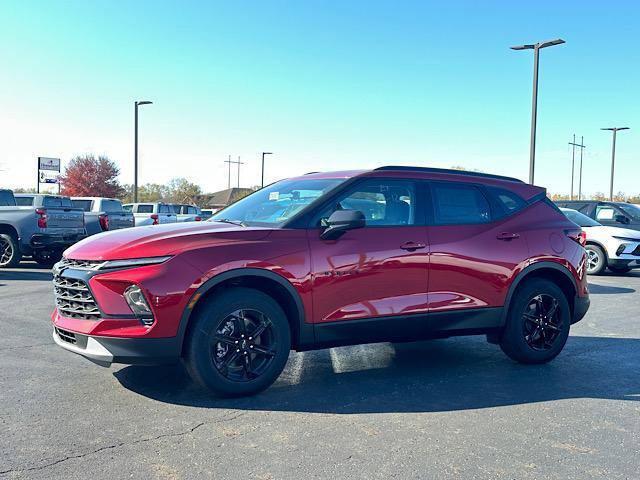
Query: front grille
[[80, 264], [74, 299], [66, 336]]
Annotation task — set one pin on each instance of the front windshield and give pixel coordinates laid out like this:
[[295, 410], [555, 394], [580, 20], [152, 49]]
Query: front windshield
[[277, 203], [631, 209], [579, 218]]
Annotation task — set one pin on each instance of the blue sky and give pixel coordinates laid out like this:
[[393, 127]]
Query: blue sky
[[322, 84]]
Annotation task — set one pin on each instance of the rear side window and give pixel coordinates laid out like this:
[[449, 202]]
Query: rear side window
[[165, 209], [111, 206], [191, 210], [145, 208], [505, 202], [127, 208], [24, 201], [62, 202], [83, 204], [6, 199], [459, 204]]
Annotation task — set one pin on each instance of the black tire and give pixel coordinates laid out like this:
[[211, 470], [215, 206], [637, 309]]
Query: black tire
[[215, 365], [526, 340], [47, 259], [596, 260], [10, 254], [619, 269]]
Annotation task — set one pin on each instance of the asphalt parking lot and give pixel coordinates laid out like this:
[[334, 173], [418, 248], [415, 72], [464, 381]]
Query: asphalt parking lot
[[455, 408]]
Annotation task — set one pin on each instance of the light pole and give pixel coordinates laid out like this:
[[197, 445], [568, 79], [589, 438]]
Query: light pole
[[534, 109], [135, 150], [262, 181], [613, 156]]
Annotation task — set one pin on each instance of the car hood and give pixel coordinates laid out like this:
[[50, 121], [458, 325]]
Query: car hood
[[160, 240], [602, 230]]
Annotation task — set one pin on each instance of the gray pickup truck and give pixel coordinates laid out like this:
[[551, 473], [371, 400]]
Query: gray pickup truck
[[102, 214], [37, 225]]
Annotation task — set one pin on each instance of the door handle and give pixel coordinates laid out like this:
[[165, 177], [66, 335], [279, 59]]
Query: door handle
[[412, 246], [507, 236]]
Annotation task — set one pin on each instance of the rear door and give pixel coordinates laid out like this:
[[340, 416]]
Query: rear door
[[475, 248], [166, 214], [377, 271]]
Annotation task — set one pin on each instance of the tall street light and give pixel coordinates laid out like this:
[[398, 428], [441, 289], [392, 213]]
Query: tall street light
[[534, 109], [263, 154], [613, 156], [135, 150]]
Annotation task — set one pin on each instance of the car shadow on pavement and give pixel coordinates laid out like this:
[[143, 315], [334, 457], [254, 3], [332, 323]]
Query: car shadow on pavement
[[596, 289], [435, 376]]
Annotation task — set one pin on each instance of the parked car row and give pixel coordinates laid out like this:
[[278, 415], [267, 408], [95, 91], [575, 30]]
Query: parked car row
[[42, 226]]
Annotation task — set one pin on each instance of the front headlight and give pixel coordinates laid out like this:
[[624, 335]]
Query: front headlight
[[133, 262]]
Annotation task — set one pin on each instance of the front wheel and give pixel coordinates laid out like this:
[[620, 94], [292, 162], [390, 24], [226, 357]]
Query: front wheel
[[239, 342], [538, 323], [596, 260]]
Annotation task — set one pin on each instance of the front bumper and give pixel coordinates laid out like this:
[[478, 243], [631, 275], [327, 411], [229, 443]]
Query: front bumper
[[107, 350]]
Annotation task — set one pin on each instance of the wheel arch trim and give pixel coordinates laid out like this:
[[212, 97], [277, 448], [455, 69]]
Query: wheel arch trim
[[305, 332], [526, 272]]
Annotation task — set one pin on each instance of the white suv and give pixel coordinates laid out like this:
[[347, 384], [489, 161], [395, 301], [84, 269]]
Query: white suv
[[613, 247]]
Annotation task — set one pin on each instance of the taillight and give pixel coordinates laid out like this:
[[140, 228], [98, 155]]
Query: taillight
[[104, 222], [42, 217], [154, 217], [198, 219], [577, 235]]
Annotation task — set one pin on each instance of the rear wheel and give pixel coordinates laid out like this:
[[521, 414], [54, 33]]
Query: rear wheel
[[10, 254], [596, 260], [239, 343], [538, 323]]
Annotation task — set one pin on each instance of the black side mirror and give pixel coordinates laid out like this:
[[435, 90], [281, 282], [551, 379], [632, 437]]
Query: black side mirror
[[340, 221], [622, 219]]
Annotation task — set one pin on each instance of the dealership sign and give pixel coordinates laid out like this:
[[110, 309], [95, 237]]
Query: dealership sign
[[48, 170]]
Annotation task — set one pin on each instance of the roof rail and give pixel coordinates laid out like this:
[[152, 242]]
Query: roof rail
[[449, 171]]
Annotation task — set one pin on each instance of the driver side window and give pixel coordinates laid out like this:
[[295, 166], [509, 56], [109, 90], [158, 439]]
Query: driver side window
[[383, 202]]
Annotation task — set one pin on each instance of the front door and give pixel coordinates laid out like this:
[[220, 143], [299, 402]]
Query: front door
[[380, 270]]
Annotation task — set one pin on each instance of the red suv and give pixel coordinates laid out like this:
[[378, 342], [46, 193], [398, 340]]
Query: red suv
[[328, 259]]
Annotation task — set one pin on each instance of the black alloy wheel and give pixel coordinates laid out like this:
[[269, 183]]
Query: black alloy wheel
[[244, 345], [542, 322]]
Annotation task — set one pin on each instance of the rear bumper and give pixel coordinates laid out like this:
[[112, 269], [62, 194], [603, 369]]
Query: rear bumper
[[57, 240], [580, 308], [107, 350]]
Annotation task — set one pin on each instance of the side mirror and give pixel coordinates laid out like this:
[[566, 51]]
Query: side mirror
[[340, 221], [622, 219]]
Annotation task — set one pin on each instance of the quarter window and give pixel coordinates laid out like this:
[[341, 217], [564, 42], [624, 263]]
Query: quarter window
[[459, 204]]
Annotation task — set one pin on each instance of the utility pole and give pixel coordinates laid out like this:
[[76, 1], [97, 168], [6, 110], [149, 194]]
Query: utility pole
[[262, 181], [534, 108], [229, 161], [239, 163], [573, 162], [613, 156], [582, 147], [573, 156]]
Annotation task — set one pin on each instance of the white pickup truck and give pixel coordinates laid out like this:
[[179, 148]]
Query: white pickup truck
[[151, 213]]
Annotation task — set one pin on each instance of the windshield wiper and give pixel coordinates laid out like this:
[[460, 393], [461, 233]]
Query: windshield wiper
[[232, 222]]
